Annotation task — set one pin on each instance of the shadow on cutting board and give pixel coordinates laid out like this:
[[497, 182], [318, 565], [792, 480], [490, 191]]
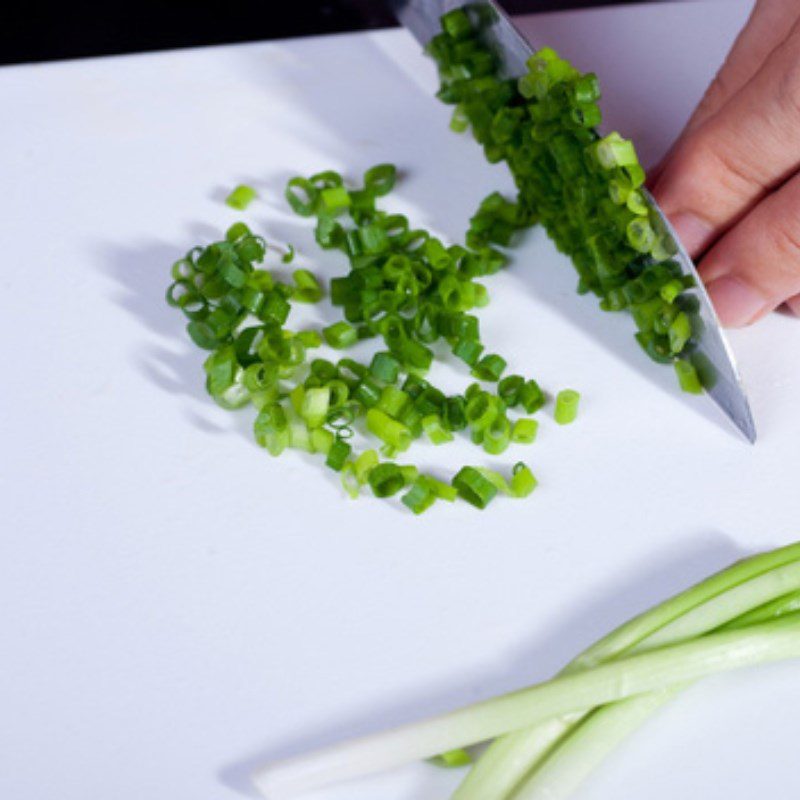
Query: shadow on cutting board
[[639, 588], [141, 275]]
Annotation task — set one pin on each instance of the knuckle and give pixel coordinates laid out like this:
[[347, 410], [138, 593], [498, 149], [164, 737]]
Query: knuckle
[[733, 169], [785, 237], [721, 177], [788, 84], [715, 95], [789, 92]]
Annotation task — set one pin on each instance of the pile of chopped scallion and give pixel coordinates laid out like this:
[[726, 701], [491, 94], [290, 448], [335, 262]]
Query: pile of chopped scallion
[[409, 290], [405, 289], [585, 190]]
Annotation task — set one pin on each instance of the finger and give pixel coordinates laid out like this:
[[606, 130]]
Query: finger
[[793, 304], [768, 26], [727, 164], [756, 266]]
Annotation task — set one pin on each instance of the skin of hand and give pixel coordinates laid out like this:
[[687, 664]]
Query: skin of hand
[[731, 182]]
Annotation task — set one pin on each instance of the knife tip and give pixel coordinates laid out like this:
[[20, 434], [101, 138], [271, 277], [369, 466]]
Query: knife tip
[[747, 426]]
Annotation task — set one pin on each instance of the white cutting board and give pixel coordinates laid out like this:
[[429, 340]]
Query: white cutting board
[[175, 606]]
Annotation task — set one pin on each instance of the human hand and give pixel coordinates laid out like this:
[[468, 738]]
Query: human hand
[[731, 183]]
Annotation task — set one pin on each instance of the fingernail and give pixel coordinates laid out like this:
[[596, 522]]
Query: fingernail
[[736, 302], [695, 235]]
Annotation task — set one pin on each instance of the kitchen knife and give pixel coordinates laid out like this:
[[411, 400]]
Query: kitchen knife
[[711, 352]]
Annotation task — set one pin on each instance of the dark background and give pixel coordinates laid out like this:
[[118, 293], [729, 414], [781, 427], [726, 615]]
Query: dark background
[[36, 31]]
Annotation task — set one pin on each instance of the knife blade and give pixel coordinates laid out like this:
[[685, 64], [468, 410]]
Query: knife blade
[[711, 353]]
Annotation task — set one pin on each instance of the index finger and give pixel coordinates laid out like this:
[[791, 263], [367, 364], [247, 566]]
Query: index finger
[[768, 26], [723, 167]]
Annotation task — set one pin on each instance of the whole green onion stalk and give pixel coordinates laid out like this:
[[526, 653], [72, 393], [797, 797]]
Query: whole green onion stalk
[[740, 617], [711, 605]]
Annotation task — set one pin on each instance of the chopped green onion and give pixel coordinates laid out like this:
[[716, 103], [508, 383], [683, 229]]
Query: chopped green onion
[[566, 410], [385, 367], [404, 286], [364, 464], [299, 434], [680, 331], [350, 483], [496, 479], [326, 179], [435, 431], [241, 197], [340, 335], [420, 497], [474, 487], [687, 377], [390, 431], [614, 151], [497, 435], [444, 491], [334, 200], [468, 350], [459, 122], [238, 230], [322, 440], [386, 480], [410, 473], [271, 429], [314, 404], [585, 190], [670, 290], [524, 431], [307, 288], [523, 481], [380, 179], [393, 401], [302, 196], [323, 369], [309, 339], [510, 388], [367, 392], [452, 758], [531, 397], [338, 454], [481, 410], [456, 25]]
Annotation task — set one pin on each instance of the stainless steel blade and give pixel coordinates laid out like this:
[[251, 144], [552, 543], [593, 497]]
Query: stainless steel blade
[[711, 353], [422, 17]]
